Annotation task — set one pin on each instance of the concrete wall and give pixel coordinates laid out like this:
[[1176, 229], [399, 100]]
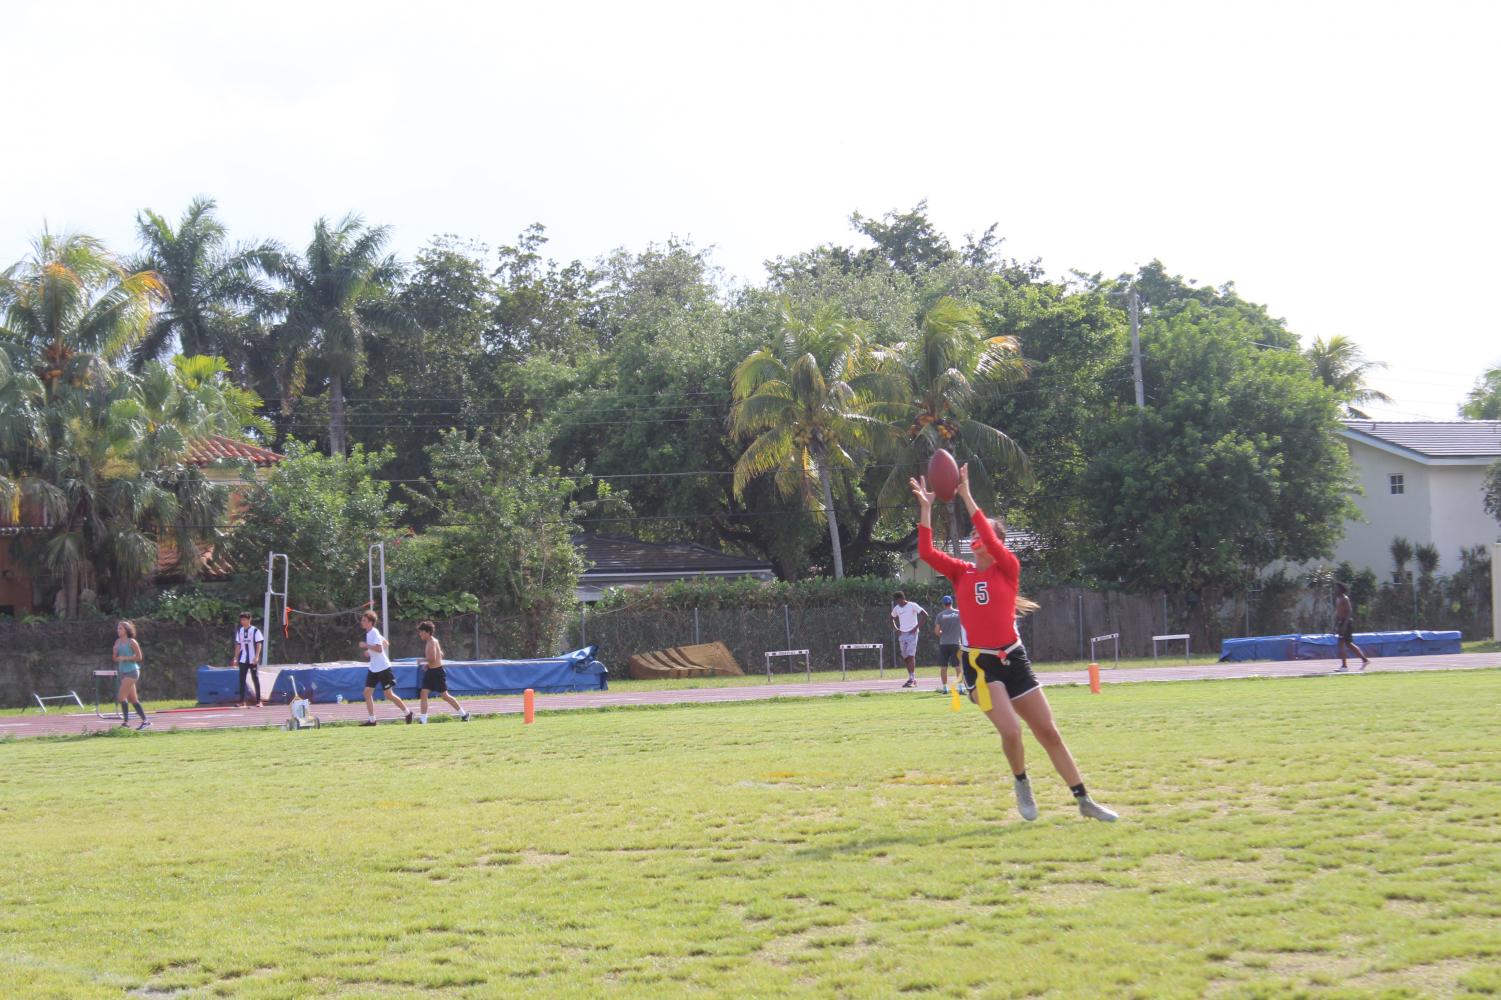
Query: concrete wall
[[1496, 591], [1367, 542], [1459, 517]]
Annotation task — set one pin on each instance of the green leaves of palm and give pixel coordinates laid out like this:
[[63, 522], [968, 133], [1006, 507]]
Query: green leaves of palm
[[213, 286], [1341, 365], [939, 378], [71, 301]]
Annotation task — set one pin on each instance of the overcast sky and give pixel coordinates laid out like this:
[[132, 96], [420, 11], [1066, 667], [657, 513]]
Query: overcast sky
[[1337, 161]]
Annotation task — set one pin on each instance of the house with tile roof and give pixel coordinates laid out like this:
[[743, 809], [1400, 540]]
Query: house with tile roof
[[222, 460], [1422, 480]]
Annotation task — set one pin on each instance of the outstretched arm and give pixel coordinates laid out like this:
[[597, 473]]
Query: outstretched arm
[[941, 561]]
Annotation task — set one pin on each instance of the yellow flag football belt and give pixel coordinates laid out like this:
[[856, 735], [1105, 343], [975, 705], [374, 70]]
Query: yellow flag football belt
[[982, 687]]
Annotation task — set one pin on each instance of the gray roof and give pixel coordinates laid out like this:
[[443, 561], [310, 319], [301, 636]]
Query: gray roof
[[1436, 438], [614, 555]]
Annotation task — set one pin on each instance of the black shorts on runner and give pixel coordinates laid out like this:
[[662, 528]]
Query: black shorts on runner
[[435, 681], [383, 679], [1346, 631], [1015, 671], [948, 656]]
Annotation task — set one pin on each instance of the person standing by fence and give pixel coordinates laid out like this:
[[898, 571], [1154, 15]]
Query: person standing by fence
[[248, 645], [127, 657], [950, 637], [907, 618]]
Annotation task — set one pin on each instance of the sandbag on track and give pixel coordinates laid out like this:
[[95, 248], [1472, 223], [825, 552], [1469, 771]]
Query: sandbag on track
[[705, 659]]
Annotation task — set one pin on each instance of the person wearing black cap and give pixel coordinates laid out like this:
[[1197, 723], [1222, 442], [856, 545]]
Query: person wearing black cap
[[950, 638]]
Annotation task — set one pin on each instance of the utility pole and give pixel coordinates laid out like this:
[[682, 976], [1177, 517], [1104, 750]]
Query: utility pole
[[1141, 401]]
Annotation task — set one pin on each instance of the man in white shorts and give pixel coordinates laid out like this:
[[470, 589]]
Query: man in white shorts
[[907, 617]]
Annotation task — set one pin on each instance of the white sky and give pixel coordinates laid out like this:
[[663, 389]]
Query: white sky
[[1338, 161]]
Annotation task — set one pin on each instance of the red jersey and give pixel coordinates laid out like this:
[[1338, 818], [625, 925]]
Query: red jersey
[[986, 597]]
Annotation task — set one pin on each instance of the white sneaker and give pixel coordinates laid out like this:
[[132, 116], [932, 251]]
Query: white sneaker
[[1025, 804], [422, 719], [1091, 809]]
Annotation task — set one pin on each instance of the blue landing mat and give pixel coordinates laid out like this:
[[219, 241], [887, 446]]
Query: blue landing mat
[[1324, 647], [326, 682]]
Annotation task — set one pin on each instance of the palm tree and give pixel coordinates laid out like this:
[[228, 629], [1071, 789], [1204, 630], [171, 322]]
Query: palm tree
[[1341, 365], [213, 286], [803, 400], [939, 377], [339, 297], [72, 307], [96, 450], [1401, 550]]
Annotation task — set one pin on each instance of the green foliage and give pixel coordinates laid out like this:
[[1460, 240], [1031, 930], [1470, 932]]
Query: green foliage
[[505, 529], [814, 592], [340, 297], [186, 604], [1484, 399], [1341, 366], [216, 291], [90, 451], [1233, 466], [323, 512], [1492, 490]]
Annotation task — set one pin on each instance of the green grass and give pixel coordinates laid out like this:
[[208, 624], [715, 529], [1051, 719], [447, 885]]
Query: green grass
[[1481, 646], [927, 674], [68, 708], [1335, 836]]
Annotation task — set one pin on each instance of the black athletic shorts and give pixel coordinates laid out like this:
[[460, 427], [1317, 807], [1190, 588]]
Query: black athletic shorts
[[1346, 630], [383, 679], [948, 656], [435, 681], [1015, 671]]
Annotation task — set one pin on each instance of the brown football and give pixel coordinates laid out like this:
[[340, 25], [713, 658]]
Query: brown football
[[943, 475]]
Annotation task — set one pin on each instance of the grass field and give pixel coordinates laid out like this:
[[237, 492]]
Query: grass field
[[1335, 836]]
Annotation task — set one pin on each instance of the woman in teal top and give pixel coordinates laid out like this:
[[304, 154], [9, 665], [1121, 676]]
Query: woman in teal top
[[127, 657]]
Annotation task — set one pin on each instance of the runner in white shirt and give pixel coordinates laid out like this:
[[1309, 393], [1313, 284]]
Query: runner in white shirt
[[248, 644], [379, 675], [907, 618]]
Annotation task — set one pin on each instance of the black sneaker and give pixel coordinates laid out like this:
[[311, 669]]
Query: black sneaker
[[911, 683], [368, 722], [463, 716], [409, 718]]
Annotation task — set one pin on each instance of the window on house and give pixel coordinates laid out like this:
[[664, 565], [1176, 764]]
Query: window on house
[[1398, 486]]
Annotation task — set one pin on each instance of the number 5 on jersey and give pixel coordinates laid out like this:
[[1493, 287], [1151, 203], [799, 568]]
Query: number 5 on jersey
[[982, 592]]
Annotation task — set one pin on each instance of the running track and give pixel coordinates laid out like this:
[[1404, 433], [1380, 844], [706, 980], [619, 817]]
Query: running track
[[58, 724]]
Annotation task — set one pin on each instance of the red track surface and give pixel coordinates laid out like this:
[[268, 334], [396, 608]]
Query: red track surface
[[57, 724]]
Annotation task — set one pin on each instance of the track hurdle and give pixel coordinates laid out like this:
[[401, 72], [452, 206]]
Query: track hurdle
[[879, 647], [113, 677], [1101, 638], [1170, 638], [42, 699], [807, 661]]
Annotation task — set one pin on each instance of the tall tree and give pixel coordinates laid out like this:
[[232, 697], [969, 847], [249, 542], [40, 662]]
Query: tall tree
[[941, 377], [1236, 464], [341, 295], [803, 401], [1484, 399], [213, 287], [1341, 365]]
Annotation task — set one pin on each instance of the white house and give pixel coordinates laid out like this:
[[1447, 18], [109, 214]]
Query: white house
[[1423, 482]]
